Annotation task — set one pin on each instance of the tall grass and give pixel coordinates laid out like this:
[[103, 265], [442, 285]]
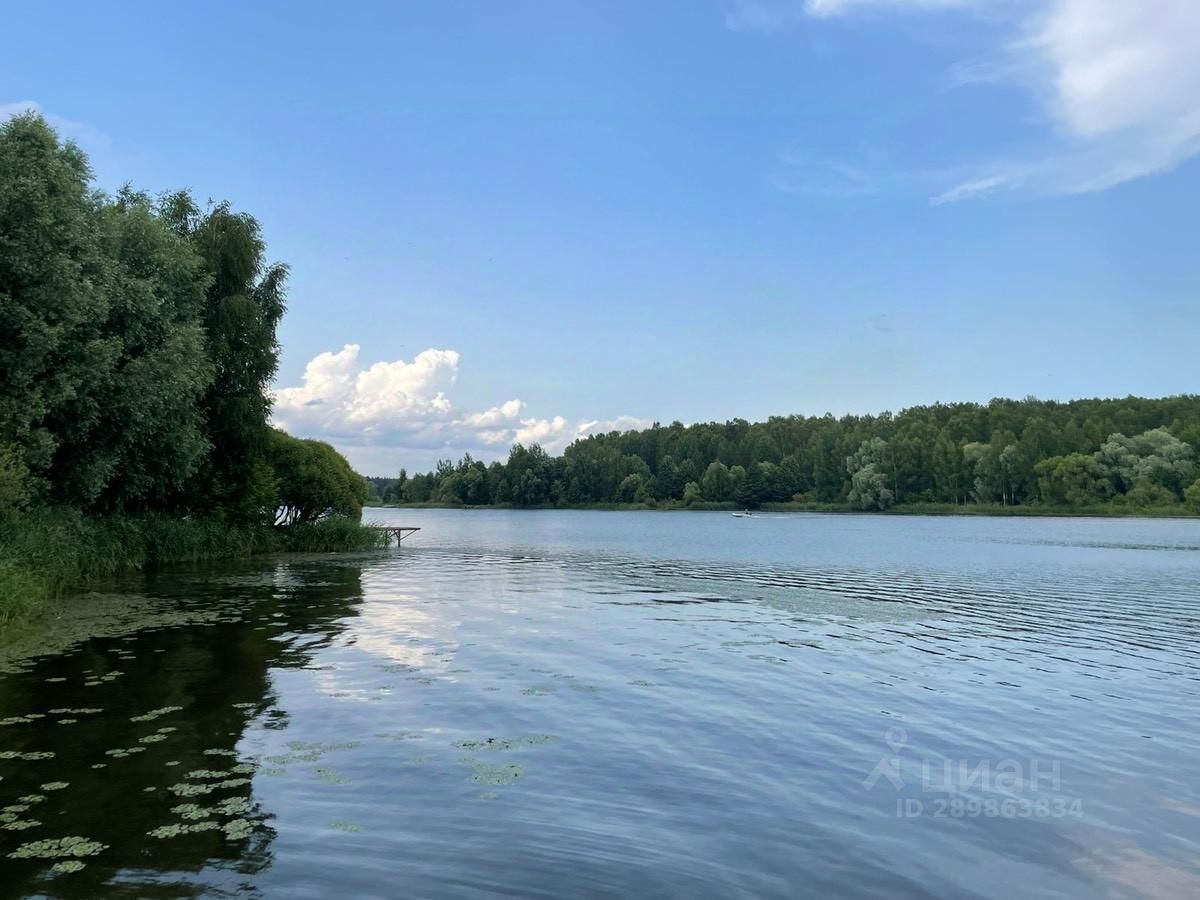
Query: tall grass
[[47, 553]]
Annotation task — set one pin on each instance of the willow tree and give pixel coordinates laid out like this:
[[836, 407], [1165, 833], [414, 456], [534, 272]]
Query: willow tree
[[241, 311], [101, 350]]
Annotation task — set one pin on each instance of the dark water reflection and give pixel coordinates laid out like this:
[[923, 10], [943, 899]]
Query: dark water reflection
[[604, 704]]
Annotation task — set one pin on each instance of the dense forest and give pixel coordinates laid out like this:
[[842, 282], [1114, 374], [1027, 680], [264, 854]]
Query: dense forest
[[1132, 452], [137, 347]]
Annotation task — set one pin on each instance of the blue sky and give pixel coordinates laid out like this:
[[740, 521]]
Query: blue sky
[[531, 219]]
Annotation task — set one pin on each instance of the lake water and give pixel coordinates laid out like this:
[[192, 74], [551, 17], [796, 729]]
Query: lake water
[[606, 704]]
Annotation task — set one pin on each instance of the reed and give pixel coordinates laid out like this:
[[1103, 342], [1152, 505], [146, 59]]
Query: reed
[[47, 553]]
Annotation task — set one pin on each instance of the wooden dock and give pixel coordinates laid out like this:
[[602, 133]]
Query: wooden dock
[[399, 532]]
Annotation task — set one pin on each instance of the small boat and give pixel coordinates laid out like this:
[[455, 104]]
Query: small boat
[[743, 515]]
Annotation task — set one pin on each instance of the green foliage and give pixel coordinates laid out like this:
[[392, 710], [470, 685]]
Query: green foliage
[[49, 551], [243, 304], [1072, 480], [137, 346], [14, 482], [1156, 457], [1023, 454], [101, 353], [1146, 494], [1191, 497], [312, 481], [868, 479]]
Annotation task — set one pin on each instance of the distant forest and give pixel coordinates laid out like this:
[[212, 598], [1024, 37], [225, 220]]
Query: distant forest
[[1132, 451]]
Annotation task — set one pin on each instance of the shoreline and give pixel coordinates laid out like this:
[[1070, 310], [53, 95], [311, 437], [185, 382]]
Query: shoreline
[[910, 509]]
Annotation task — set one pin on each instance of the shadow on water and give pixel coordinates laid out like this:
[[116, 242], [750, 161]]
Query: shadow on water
[[119, 764]]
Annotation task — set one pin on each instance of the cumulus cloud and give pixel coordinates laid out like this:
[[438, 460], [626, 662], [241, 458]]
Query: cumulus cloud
[[389, 414], [1117, 82]]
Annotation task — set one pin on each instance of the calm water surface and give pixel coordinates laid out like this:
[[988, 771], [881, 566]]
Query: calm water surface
[[595, 704]]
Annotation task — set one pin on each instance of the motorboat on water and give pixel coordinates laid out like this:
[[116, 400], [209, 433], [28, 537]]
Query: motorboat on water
[[743, 515]]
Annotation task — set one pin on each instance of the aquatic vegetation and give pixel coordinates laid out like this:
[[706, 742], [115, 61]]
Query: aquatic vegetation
[[348, 827], [19, 824], [238, 829], [124, 752], [55, 785], [155, 738], [83, 711], [331, 777], [191, 811], [67, 721], [217, 751], [244, 705], [32, 756], [58, 848], [67, 867], [21, 720], [188, 789], [504, 743], [155, 713], [205, 773], [233, 806], [486, 774], [170, 831]]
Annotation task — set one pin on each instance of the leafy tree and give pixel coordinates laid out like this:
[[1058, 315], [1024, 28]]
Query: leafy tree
[[312, 481], [102, 352], [1148, 494], [1072, 480], [1192, 496], [1156, 456], [715, 484], [14, 481], [243, 305], [868, 482]]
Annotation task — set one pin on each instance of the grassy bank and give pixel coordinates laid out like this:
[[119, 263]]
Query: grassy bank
[[910, 509], [45, 554]]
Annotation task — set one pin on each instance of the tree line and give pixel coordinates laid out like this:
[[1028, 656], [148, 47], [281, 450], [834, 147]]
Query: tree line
[[137, 348], [1131, 451]]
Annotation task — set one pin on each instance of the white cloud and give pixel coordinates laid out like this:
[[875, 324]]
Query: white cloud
[[77, 131], [771, 15], [970, 189], [390, 414], [1118, 83]]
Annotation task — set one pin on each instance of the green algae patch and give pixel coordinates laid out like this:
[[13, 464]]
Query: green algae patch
[[348, 827], [155, 713], [59, 848], [19, 824], [489, 774], [32, 756], [187, 789], [67, 867], [70, 622], [170, 831], [123, 752], [55, 785], [494, 743]]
